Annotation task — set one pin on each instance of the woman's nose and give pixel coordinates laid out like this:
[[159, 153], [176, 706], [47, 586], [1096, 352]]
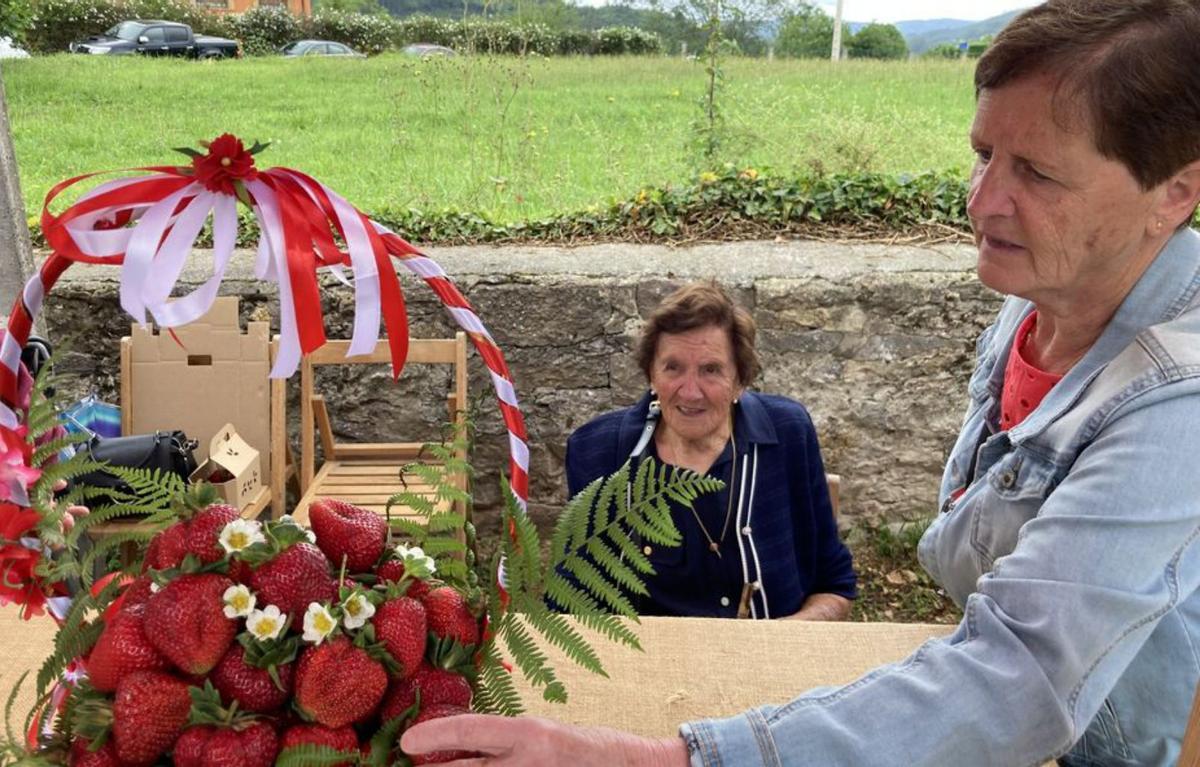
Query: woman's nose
[[990, 194]]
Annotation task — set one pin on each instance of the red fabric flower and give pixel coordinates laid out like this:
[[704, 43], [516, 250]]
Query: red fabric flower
[[19, 580], [227, 161]]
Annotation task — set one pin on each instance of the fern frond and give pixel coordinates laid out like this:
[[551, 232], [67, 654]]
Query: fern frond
[[595, 582], [419, 504], [10, 704], [452, 568], [563, 535], [310, 755], [496, 692], [437, 547], [630, 552], [408, 528], [617, 570], [559, 632], [445, 521], [531, 660]]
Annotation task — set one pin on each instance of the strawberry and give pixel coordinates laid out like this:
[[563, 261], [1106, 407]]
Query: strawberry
[[437, 711], [345, 530], [251, 687], [448, 615], [400, 625], [122, 648], [338, 684], [293, 578], [167, 549], [342, 739], [137, 593], [149, 711], [80, 756], [435, 685], [392, 571], [186, 622], [253, 745], [204, 532]]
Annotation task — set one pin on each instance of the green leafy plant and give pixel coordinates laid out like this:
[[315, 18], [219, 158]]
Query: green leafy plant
[[594, 563]]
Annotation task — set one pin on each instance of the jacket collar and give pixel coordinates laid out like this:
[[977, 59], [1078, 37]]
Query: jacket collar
[[753, 424]]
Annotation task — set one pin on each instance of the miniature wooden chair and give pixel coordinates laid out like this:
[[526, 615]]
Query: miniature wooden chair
[[367, 474]]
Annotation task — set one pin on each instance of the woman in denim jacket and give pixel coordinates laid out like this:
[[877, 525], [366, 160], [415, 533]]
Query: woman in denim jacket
[[1070, 507]]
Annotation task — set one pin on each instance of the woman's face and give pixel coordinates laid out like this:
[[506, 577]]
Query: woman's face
[[696, 380], [1055, 221]]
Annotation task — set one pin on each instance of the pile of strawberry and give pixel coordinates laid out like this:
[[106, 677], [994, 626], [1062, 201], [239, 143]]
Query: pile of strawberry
[[250, 644]]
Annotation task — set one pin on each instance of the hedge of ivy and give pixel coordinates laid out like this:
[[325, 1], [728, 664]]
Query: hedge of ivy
[[55, 23], [729, 203]]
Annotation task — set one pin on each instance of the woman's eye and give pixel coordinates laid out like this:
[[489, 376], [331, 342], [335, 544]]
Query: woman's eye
[[983, 156]]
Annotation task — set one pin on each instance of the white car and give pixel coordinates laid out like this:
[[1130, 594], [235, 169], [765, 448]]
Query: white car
[[10, 51]]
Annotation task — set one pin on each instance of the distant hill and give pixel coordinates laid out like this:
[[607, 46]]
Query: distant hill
[[953, 31], [914, 28]]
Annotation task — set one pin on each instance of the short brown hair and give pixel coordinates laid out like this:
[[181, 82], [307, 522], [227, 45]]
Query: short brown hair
[[1132, 65], [700, 305]]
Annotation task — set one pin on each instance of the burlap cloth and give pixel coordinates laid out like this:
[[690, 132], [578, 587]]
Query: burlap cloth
[[691, 668]]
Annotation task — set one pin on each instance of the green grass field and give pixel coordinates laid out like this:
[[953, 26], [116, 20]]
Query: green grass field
[[510, 138]]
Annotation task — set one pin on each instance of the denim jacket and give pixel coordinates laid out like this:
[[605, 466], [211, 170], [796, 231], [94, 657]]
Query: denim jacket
[[1074, 554]]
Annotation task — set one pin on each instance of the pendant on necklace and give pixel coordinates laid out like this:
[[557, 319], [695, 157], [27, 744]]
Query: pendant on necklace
[[715, 548]]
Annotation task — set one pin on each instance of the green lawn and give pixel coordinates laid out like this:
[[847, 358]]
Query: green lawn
[[511, 138]]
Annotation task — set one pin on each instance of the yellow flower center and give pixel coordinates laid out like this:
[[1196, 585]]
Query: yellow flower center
[[240, 601], [238, 540], [265, 627], [354, 608], [322, 623], [226, 162]]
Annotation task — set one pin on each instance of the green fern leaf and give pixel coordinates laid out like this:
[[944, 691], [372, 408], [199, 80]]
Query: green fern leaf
[[310, 755]]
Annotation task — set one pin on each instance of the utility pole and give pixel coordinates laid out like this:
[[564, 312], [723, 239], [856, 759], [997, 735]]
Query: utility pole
[[836, 53], [16, 254]]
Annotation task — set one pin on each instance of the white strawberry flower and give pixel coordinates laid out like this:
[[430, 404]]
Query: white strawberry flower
[[417, 563], [356, 610], [267, 623], [239, 602], [240, 534], [318, 623]]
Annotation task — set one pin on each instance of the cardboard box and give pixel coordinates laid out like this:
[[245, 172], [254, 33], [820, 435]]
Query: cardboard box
[[229, 452], [215, 374]]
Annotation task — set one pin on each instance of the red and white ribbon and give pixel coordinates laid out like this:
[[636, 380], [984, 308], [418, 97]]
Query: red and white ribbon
[[147, 224]]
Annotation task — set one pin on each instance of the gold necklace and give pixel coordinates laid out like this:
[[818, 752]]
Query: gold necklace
[[715, 546]]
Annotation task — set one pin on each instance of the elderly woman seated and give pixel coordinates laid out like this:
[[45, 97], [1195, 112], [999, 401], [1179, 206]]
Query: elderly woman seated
[[767, 545]]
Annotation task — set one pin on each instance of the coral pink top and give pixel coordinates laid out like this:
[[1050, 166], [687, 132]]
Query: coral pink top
[[1024, 385]]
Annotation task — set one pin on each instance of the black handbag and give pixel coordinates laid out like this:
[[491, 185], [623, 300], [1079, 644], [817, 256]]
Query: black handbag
[[170, 451]]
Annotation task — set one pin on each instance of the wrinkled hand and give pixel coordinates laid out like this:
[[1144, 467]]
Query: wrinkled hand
[[68, 520], [516, 742]]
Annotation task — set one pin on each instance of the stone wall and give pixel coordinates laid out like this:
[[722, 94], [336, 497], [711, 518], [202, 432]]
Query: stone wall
[[876, 340]]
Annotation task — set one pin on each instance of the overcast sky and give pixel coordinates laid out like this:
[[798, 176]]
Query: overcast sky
[[911, 10]]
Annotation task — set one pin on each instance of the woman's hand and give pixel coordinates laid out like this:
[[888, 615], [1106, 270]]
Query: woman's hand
[[68, 520], [824, 607], [512, 742]]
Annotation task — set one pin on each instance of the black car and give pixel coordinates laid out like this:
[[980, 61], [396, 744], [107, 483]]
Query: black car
[[157, 38]]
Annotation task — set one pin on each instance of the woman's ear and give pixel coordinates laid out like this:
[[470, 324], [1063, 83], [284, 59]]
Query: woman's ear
[[1181, 196]]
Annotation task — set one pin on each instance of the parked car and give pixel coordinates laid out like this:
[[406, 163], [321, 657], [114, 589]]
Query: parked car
[[319, 48], [157, 38], [10, 51], [428, 50]]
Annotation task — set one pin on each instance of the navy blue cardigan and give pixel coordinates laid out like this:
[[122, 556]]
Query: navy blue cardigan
[[783, 539]]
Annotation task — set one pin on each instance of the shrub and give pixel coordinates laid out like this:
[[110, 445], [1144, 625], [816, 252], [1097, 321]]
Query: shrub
[[575, 42], [15, 16], [627, 41], [423, 29], [368, 33], [56, 23], [265, 29]]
